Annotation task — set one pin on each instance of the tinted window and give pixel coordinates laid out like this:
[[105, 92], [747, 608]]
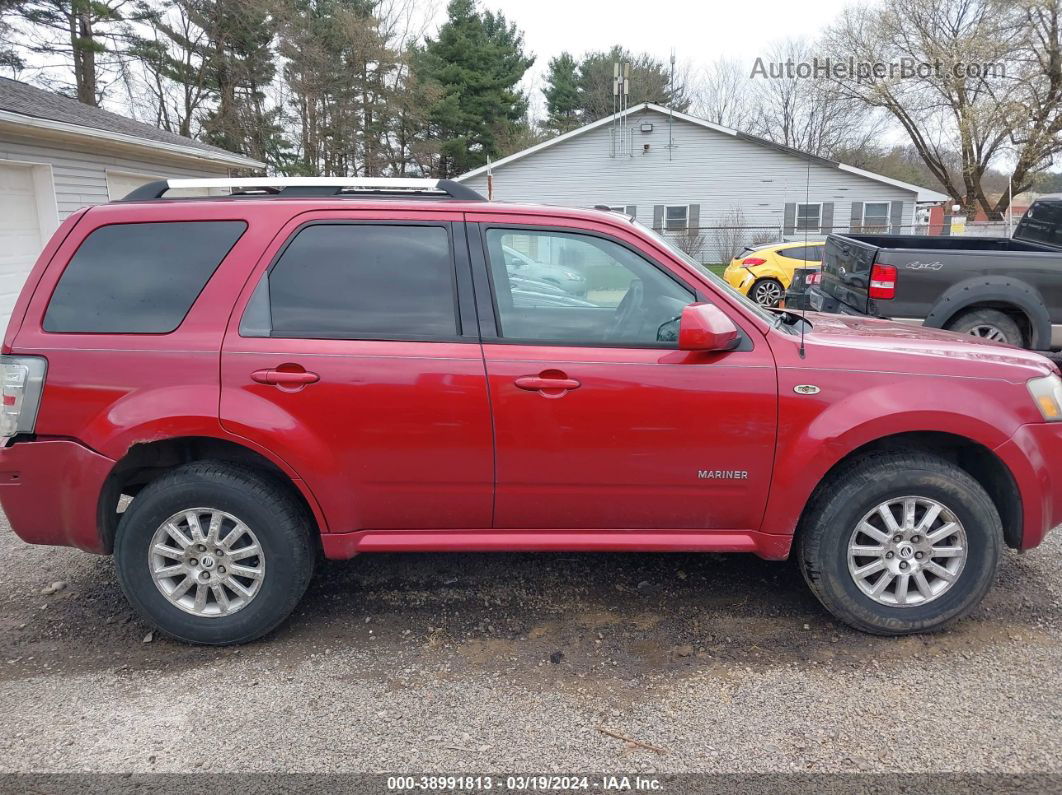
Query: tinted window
[[363, 281], [793, 253], [580, 289], [1042, 223], [138, 278]]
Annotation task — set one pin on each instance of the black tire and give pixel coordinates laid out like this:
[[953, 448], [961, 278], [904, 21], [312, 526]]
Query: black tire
[[846, 498], [977, 321], [281, 524], [767, 292]]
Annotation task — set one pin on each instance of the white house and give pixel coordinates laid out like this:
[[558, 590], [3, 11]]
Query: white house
[[696, 179], [58, 155]]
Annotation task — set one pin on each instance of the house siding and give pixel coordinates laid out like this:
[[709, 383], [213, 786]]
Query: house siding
[[721, 173], [79, 172]]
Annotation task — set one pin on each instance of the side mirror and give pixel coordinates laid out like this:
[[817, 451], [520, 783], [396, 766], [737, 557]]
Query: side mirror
[[705, 327]]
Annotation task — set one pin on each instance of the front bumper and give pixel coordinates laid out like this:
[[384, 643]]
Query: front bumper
[[1034, 456], [50, 492]]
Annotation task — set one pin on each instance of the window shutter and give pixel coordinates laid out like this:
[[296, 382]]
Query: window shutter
[[857, 217], [632, 210], [694, 217], [895, 217], [789, 221], [827, 218], [658, 216]]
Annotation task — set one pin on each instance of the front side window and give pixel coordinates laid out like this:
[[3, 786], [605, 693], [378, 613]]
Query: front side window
[[676, 218], [581, 289], [360, 281], [809, 216], [876, 217], [138, 278]]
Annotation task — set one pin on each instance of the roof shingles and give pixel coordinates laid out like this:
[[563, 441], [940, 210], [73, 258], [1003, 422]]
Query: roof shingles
[[26, 100]]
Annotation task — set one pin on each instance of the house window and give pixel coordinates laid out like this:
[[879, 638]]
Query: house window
[[677, 217], [875, 217], [809, 217]]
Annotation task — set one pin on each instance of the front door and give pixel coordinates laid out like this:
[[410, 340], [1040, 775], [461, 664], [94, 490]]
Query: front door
[[600, 422], [354, 356]]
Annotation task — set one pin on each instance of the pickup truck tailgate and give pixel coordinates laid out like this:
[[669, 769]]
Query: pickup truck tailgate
[[846, 274]]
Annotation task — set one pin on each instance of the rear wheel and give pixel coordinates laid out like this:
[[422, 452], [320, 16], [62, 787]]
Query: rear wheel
[[988, 324], [767, 292], [214, 553], [901, 542]]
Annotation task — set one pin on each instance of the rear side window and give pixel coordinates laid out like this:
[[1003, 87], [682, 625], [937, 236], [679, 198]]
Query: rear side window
[[138, 278], [1042, 224], [359, 281]]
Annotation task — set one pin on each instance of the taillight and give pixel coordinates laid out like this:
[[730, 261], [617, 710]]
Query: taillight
[[815, 277], [752, 261], [21, 384], [883, 282]]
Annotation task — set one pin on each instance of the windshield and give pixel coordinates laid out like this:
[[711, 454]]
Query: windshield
[[770, 317]]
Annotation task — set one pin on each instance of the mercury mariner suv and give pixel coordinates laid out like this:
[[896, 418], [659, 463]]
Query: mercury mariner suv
[[220, 390]]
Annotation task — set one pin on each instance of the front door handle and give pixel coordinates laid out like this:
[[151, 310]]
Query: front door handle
[[549, 383], [285, 377]]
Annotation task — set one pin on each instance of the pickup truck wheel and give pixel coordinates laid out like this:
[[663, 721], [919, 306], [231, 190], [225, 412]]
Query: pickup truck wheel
[[989, 324], [767, 292], [214, 553], [899, 543]]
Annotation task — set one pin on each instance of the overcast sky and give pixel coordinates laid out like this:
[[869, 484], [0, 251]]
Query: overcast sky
[[699, 32]]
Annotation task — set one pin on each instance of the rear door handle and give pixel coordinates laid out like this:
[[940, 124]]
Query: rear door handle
[[285, 377]]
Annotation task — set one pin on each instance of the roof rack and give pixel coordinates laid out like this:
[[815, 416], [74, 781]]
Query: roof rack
[[286, 187]]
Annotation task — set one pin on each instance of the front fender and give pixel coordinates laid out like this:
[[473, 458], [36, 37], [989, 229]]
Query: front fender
[[995, 291], [817, 432]]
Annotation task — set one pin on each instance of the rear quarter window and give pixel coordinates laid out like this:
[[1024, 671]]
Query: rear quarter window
[[138, 278]]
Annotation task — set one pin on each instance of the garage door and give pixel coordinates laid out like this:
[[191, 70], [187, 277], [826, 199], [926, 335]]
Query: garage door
[[120, 185], [20, 234]]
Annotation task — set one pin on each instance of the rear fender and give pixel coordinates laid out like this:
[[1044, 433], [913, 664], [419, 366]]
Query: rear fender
[[995, 291]]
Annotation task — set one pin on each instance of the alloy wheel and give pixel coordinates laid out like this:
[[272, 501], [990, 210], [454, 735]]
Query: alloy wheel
[[206, 562], [907, 551]]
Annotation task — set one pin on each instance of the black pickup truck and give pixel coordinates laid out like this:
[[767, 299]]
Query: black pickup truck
[[1004, 289]]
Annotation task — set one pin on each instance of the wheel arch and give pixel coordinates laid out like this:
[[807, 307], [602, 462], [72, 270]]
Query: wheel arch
[[1004, 293], [143, 462], [977, 460]]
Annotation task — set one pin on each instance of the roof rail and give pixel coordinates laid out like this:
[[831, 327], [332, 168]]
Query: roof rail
[[312, 186]]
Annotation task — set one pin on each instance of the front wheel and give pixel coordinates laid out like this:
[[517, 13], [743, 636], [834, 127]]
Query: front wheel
[[899, 543], [767, 292], [214, 553]]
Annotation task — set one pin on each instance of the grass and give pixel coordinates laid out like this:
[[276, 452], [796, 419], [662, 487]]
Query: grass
[[716, 269]]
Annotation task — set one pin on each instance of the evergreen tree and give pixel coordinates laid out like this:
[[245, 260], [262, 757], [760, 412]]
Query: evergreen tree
[[650, 81], [239, 67], [562, 94], [476, 61], [80, 31]]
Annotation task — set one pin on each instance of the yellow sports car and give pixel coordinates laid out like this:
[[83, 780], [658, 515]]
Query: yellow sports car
[[763, 273]]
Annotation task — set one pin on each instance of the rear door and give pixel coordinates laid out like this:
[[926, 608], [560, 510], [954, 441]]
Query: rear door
[[600, 422], [353, 354]]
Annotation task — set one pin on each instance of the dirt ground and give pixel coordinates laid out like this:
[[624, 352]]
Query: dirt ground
[[524, 662]]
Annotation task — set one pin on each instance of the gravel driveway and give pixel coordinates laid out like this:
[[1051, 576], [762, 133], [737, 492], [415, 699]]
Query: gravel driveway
[[512, 663]]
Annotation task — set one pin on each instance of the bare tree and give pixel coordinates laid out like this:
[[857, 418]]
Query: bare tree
[[730, 234], [806, 113], [989, 85], [720, 93]]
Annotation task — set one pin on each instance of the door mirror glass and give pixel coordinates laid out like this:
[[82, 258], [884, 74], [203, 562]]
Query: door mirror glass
[[705, 327]]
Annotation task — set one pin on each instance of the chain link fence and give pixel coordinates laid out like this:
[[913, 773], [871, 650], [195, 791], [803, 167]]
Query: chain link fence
[[714, 245]]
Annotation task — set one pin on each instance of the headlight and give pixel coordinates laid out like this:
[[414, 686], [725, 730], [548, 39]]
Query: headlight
[[573, 276], [1047, 392]]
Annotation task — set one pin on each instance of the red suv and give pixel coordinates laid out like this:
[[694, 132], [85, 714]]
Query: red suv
[[218, 389]]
